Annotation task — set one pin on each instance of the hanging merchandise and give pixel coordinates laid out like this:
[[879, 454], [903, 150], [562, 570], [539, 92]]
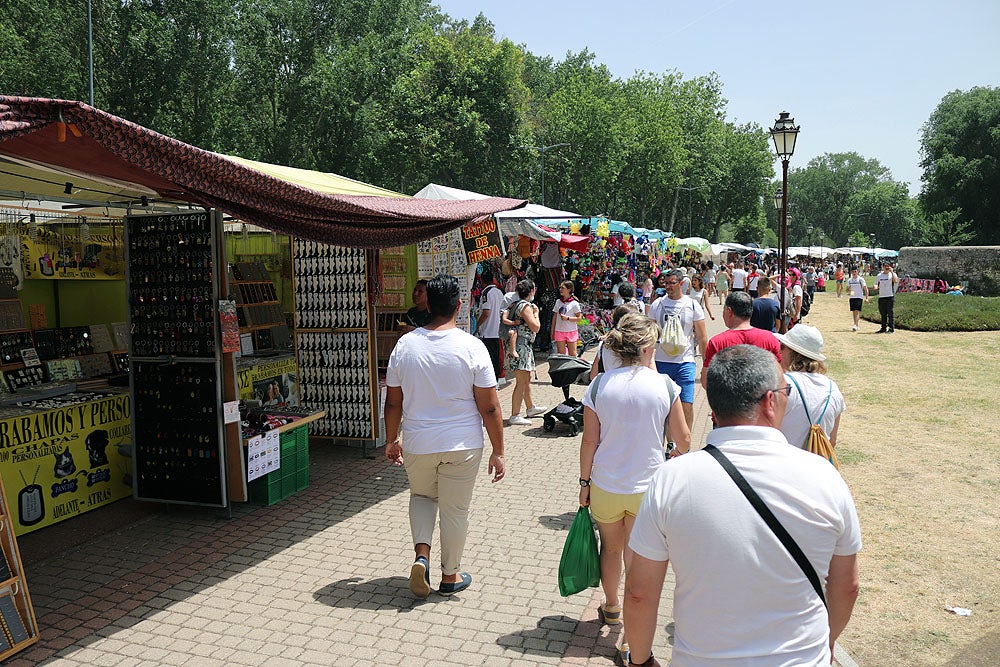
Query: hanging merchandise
[[603, 228], [177, 433]]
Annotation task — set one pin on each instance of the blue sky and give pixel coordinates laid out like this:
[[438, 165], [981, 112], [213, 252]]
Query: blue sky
[[856, 76]]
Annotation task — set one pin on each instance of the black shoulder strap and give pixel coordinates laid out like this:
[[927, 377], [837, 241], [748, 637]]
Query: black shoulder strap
[[771, 520]]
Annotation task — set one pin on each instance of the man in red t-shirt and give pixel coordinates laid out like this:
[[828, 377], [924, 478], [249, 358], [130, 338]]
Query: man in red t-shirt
[[736, 314]]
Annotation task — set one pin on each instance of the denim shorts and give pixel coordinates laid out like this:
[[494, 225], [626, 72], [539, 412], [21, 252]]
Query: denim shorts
[[683, 374]]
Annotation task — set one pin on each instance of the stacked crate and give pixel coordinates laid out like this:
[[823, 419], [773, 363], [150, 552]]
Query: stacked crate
[[292, 476]]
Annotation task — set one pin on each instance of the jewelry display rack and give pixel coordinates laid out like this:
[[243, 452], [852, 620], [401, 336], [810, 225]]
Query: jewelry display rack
[[173, 286], [334, 339]]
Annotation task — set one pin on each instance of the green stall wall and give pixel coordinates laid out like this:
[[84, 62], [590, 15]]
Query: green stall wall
[[71, 303]]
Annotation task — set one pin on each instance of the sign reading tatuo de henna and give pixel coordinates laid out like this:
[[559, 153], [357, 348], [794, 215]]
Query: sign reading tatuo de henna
[[482, 241]]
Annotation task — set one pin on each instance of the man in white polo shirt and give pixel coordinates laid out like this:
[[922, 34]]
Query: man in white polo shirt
[[740, 597], [886, 282]]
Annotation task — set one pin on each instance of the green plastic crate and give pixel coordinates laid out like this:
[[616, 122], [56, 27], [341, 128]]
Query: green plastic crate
[[301, 478], [288, 483], [266, 490], [293, 475]]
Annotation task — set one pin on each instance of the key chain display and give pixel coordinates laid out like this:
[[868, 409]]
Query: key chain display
[[173, 288]]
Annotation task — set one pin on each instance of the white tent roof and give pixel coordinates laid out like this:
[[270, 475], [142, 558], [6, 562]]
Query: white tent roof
[[527, 212], [512, 223], [810, 251]]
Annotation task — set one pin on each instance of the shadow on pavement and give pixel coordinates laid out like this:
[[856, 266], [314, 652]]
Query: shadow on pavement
[[89, 586], [560, 522], [373, 594], [551, 636]]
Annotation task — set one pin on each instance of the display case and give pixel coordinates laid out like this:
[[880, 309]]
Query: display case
[[173, 286], [258, 308]]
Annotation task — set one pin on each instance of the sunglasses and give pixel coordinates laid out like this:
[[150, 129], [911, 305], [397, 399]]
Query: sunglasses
[[786, 390]]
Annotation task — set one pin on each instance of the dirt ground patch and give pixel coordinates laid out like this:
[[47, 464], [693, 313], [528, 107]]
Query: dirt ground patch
[[920, 450]]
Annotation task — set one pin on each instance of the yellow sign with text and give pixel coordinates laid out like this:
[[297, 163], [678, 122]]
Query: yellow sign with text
[[67, 256], [270, 382], [60, 463]]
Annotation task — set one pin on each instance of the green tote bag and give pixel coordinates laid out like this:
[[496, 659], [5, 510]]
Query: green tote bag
[[580, 565]]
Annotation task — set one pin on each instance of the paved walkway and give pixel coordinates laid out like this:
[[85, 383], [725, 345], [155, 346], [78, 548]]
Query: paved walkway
[[320, 578]]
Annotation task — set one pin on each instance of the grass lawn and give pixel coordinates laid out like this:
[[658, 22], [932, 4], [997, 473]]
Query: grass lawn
[[918, 446], [918, 311]]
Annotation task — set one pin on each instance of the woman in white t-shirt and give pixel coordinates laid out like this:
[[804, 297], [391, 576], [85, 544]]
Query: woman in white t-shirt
[[625, 412], [813, 398], [440, 393], [699, 294], [566, 314]]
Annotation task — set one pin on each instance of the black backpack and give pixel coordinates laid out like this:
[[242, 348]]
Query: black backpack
[[806, 304]]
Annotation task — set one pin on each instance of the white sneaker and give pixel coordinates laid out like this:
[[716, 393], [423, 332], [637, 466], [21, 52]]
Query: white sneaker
[[537, 411], [854, 328], [518, 420]]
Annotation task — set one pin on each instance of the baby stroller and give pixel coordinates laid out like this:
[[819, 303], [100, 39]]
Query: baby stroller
[[564, 371]]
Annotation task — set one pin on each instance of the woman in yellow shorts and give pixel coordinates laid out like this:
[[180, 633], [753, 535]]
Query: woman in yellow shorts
[[626, 413]]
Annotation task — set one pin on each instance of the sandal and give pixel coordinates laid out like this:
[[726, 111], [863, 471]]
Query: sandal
[[610, 615], [621, 655]]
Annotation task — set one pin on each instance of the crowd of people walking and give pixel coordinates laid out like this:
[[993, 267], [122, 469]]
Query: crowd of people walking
[[762, 533]]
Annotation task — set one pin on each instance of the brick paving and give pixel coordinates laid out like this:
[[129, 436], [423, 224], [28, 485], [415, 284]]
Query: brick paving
[[321, 577]]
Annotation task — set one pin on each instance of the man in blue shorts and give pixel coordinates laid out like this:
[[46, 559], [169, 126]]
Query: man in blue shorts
[[680, 367]]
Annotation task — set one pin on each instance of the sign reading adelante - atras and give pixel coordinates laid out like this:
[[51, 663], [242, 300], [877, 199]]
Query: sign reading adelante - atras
[[482, 241]]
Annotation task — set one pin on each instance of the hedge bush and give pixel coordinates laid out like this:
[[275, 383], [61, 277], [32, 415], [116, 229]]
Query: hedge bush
[[919, 311]]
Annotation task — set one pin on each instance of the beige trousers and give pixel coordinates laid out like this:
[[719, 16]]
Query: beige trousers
[[442, 481]]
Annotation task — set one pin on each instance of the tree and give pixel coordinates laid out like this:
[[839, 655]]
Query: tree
[[654, 154], [584, 110], [888, 212], [858, 239], [753, 228], [820, 192], [740, 178], [457, 116], [959, 146], [945, 229], [43, 48]]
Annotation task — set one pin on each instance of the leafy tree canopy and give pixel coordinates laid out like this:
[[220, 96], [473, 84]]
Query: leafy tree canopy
[[960, 149]]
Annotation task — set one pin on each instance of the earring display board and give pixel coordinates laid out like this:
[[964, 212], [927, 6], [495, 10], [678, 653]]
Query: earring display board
[[173, 289], [334, 340]]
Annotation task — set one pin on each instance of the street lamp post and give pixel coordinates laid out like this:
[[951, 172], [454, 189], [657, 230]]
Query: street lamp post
[[784, 134], [689, 191], [871, 238], [541, 150]]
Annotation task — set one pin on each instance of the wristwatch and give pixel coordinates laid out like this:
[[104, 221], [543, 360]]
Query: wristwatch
[[584, 482]]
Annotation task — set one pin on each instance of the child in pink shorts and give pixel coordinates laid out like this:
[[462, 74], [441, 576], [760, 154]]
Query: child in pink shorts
[[566, 314]]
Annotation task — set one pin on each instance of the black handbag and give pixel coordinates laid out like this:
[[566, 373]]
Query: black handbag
[[771, 520]]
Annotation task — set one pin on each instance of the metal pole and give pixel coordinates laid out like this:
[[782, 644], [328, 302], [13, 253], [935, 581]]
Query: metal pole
[[784, 228], [690, 193], [90, 50], [543, 176]]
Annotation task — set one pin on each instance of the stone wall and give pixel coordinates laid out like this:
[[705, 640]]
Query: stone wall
[[977, 265]]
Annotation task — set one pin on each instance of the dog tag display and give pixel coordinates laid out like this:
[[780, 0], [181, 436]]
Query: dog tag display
[[174, 358]]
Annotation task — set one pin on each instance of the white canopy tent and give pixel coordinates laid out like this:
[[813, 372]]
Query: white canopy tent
[[512, 223], [810, 251]]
